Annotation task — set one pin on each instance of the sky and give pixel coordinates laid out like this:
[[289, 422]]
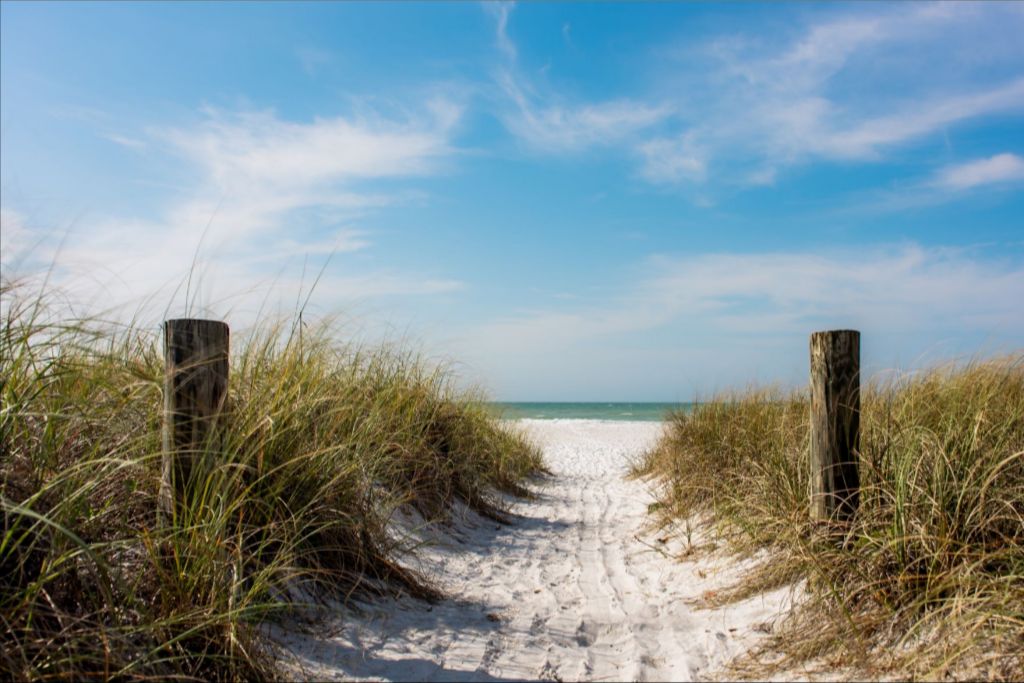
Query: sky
[[603, 202]]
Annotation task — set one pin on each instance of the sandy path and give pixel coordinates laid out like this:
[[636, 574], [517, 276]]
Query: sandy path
[[571, 590]]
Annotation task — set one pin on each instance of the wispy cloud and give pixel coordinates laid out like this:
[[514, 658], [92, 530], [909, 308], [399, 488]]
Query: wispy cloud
[[550, 123], [261, 174], [948, 183], [269, 193], [813, 134], [500, 11], [239, 150], [15, 237], [558, 127], [740, 109], [905, 287], [673, 160], [763, 107], [896, 287], [1001, 168], [388, 283], [734, 309], [125, 141], [313, 58]]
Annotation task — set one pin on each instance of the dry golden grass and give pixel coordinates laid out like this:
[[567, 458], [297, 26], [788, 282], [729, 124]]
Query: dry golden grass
[[322, 442], [929, 580]]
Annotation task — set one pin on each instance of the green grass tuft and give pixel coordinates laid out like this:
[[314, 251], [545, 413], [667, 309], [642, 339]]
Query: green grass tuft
[[321, 443], [930, 578]]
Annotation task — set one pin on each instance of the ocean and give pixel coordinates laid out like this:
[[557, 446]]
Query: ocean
[[639, 412]]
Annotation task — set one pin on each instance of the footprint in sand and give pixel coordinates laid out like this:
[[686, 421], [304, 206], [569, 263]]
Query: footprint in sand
[[583, 528]]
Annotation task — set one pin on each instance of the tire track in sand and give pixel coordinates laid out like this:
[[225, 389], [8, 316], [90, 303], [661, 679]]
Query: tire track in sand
[[565, 592]]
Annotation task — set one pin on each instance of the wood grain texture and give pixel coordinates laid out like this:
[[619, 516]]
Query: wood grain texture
[[835, 424], [195, 390]]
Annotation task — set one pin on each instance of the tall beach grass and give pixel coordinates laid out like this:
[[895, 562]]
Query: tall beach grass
[[321, 443], [929, 579]]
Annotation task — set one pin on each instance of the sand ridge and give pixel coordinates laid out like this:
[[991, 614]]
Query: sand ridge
[[577, 587]]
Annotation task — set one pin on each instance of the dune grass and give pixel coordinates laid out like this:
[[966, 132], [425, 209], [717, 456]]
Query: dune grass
[[929, 579], [321, 443]]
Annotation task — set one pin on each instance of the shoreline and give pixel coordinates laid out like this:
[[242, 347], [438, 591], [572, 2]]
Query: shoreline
[[615, 412], [567, 420]]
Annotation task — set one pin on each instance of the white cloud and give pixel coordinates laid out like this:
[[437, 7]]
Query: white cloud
[[258, 148], [671, 160], [903, 289], [313, 58], [388, 284], [909, 287], [261, 174], [1000, 168], [847, 85], [570, 127], [733, 309], [269, 194], [851, 86], [500, 11], [816, 56], [763, 176], [15, 237], [868, 138], [551, 124], [125, 141], [741, 108]]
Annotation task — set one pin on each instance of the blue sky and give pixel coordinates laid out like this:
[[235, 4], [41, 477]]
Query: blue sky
[[572, 201]]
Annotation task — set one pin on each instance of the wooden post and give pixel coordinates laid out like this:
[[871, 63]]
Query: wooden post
[[195, 389], [835, 424]]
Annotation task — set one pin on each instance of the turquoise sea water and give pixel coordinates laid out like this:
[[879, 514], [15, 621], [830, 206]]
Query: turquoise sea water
[[644, 412]]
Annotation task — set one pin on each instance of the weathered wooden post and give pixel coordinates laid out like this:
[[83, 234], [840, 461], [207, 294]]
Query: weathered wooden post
[[835, 424], [195, 389]]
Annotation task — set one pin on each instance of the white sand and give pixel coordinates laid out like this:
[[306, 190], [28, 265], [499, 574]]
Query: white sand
[[571, 590]]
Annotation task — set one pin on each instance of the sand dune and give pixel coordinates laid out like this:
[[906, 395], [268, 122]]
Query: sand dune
[[575, 588]]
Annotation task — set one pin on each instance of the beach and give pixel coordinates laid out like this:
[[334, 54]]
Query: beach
[[577, 586]]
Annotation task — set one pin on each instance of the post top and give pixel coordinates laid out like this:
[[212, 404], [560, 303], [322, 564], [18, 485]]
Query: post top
[[837, 332], [202, 321]]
